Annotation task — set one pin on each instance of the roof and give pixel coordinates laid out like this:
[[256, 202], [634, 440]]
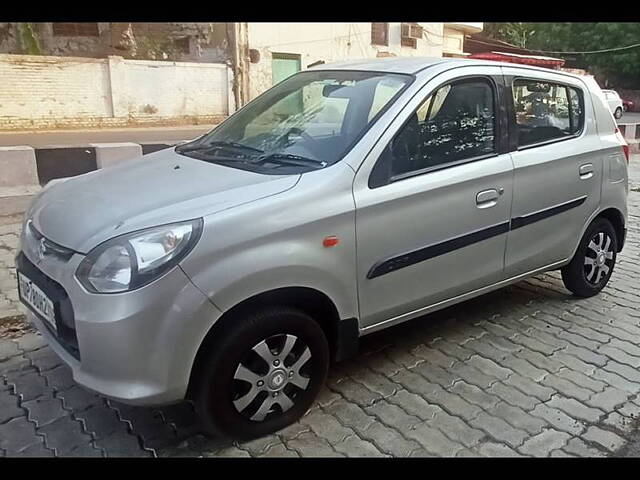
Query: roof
[[412, 65], [408, 65]]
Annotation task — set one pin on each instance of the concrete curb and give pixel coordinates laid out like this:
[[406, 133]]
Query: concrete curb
[[27, 166]]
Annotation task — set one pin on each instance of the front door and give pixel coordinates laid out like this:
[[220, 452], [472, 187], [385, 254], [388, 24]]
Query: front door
[[557, 168], [433, 213]]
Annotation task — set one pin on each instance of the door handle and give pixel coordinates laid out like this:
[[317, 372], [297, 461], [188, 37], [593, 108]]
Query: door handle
[[487, 198], [586, 171]]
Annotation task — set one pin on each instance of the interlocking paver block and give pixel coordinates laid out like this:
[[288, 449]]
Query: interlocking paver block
[[18, 434], [567, 388], [529, 387], [473, 394], [389, 440], [513, 396], [326, 426], [64, 434], [456, 429], [310, 445], [78, 399], [231, 451], [616, 380], [575, 409], [27, 384], [625, 371], [392, 415], [542, 444], [353, 446], [355, 392], [489, 367], [473, 376], [608, 399], [608, 440], [433, 440], [581, 449], [349, 414], [37, 450], [619, 422], [9, 407], [558, 419], [8, 349], [59, 378], [493, 449], [31, 341], [517, 417], [44, 359], [414, 404], [279, 451], [44, 410], [452, 403], [619, 356], [582, 380], [499, 429]]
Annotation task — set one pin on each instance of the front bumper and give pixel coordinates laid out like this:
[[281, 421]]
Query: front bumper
[[136, 347]]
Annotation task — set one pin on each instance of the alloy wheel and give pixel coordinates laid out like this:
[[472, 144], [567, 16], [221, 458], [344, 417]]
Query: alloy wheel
[[271, 377], [599, 258]]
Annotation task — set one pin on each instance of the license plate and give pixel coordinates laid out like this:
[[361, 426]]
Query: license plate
[[35, 298]]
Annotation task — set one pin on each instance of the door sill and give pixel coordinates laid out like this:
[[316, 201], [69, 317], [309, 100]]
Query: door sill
[[460, 298]]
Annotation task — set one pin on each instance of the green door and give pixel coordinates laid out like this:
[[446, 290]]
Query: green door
[[284, 65]]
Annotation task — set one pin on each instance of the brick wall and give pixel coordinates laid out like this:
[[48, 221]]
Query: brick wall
[[58, 92]]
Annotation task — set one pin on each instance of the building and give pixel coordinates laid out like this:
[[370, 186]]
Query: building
[[78, 75]]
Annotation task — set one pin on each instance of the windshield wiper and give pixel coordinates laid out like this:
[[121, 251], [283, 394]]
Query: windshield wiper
[[290, 159], [211, 145]]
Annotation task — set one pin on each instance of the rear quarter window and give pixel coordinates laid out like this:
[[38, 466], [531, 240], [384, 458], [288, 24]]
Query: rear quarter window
[[546, 111]]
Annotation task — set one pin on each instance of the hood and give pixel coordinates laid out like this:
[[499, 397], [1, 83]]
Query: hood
[[163, 187]]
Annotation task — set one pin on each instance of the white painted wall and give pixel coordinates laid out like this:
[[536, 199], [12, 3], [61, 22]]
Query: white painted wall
[[45, 92], [329, 42]]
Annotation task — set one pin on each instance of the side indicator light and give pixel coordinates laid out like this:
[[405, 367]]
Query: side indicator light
[[330, 241]]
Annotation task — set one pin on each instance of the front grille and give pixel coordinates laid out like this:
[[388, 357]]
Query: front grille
[[38, 243], [65, 321]]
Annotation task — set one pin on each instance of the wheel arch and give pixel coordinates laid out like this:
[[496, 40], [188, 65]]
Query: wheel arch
[[616, 218], [342, 334]]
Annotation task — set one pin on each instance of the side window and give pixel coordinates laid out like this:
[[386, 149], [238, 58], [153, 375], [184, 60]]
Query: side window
[[546, 111], [455, 122]]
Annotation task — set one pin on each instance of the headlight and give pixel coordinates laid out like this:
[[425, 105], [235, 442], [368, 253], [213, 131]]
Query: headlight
[[133, 260]]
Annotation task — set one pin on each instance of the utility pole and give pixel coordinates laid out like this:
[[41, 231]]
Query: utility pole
[[238, 38]]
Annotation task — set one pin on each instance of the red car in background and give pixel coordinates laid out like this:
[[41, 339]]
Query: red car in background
[[628, 105]]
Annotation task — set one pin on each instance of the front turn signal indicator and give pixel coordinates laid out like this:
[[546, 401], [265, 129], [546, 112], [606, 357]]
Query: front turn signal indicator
[[330, 241]]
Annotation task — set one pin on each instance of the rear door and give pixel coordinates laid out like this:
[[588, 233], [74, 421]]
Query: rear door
[[557, 167], [433, 199]]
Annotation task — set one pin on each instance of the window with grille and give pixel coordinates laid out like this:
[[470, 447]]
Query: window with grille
[[81, 29], [379, 33]]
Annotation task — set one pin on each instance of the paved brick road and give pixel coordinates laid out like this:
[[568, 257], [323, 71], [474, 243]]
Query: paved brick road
[[527, 370]]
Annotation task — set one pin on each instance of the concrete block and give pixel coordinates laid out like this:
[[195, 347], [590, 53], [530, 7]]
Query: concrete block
[[108, 154], [18, 166]]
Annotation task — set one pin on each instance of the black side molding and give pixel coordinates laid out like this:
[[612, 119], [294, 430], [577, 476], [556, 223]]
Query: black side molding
[[416, 256], [546, 213], [411, 258]]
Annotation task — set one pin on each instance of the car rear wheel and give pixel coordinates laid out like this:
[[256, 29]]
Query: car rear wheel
[[261, 374], [618, 113], [593, 262]]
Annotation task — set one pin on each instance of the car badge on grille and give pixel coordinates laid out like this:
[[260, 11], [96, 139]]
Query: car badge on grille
[[42, 249]]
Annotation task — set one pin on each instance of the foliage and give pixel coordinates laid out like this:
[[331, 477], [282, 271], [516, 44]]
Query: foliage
[[29, 40], [622, 67]]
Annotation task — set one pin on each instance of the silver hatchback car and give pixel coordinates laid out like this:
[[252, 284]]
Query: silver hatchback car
[[231, 270]]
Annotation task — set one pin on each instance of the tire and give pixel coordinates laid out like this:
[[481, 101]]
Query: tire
[[618, 113], [584, 276], [220, 397]]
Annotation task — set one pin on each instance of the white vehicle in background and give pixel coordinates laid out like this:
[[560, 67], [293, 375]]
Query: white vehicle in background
[[614, 101]]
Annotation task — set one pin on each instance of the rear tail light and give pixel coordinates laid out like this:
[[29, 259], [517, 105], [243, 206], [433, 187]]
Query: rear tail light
[[625, 145]]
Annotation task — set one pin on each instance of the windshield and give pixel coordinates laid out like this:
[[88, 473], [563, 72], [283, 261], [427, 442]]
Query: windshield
[[308, 121]]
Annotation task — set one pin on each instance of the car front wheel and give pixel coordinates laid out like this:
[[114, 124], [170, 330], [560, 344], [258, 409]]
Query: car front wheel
[[592, 265], [262, 373]]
